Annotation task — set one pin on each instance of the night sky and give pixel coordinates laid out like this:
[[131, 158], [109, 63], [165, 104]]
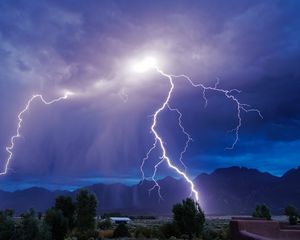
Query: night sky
[[87, 47]]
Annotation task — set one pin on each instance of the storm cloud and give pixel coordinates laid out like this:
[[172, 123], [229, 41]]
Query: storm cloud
[[87, 47]]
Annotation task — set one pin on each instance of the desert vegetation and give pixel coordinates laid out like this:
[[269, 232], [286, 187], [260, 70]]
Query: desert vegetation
[[292, 213], [65, 220], [262, 211], [75, 219], [70, 219]]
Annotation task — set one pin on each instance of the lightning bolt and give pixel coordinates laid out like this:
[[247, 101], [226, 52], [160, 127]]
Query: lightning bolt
[[188, 136], [10, 148], [158, 141]]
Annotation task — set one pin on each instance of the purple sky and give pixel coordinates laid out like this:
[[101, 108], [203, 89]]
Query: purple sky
[[86, 46]]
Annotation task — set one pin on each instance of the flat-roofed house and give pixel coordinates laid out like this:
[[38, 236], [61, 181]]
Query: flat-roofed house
[[118, 220]]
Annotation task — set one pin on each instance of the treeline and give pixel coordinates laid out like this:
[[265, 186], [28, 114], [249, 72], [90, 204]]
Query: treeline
[[262, 211], [65, 220], [76, 220]]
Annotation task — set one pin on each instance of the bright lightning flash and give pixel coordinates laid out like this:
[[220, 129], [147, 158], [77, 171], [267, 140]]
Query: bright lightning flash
[[150, 63], [145, 65], [10, 148]]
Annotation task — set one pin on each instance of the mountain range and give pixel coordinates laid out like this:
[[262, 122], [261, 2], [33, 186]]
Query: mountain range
[[226, 191]]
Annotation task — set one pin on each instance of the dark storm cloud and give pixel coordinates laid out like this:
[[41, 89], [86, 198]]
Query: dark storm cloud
[[85, 46]]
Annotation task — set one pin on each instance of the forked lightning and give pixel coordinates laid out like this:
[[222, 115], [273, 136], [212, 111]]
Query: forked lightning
[[150, 63], [10, 148]]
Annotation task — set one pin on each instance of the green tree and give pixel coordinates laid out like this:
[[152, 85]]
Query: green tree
[[85, 211], [66, 205], [189, 218], [9, 212], [44, 232], [29, 226], [105, 224], [7, 226], [262, 211], [121, 231], [58, 224], [292, 213]]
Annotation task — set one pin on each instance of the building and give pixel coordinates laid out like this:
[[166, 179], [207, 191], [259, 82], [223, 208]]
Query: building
[[259, 229], [118, 220]]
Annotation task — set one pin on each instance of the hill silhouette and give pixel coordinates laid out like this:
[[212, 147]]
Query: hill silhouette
[[233, 190]]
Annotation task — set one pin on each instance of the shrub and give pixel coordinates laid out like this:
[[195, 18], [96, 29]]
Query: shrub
[[86, 235], [147, 232], [292, 213], [121, 231], [216, 234], [169, 230], [262, 211], [142, 232], [105, 224]]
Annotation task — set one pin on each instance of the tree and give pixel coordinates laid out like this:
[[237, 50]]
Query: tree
[[292, 213], [85, 211], [66, 205], [7, 226], [29, 226], [58, 224], [189, 218], [105, 224], [9, 212], [44, 232], [262, 211], [121, 231]]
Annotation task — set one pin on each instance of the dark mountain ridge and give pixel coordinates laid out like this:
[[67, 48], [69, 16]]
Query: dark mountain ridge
[[233, 190]]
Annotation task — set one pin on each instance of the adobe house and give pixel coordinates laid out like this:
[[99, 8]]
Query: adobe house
[[258, 229]]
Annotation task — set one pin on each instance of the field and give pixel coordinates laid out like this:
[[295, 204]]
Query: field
[[215, 228]]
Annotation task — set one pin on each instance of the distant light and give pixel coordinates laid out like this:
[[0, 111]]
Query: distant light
[[145, 65]]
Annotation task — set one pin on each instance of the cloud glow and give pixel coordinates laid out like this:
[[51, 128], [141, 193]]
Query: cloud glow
[[145, 65]]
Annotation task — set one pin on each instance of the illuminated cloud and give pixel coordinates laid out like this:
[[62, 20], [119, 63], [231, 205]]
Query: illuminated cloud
[[85, 46]]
